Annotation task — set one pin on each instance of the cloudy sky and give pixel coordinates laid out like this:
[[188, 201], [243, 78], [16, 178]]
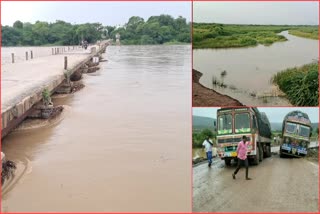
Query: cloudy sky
[[257, 12], [107, 13], [274, 114]]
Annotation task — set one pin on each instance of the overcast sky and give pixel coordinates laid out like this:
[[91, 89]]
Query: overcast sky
[[274, 114], [257, 12], [107, 13]]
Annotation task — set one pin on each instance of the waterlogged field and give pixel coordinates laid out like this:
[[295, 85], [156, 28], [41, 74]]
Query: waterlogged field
[[212, 35]]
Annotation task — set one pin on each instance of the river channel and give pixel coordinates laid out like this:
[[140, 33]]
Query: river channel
[[123, 145], [249, 70]]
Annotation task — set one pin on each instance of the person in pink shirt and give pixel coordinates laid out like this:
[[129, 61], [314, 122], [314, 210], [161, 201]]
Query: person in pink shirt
[[242, 157]]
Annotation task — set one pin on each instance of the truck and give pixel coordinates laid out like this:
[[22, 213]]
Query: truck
[[234, 123], [296, 133]]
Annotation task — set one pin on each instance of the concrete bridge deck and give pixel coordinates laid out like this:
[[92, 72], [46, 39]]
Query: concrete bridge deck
[[22, 83]]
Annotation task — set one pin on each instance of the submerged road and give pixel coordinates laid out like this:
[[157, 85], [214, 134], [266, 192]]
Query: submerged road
[[23, 82], [278, 185], [20, 79]]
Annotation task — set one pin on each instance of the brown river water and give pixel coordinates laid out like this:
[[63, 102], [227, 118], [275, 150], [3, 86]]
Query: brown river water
[[249, 70], [123, 144]]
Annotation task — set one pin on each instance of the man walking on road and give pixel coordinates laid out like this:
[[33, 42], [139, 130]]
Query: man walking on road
[[242, 157], [207, 143]]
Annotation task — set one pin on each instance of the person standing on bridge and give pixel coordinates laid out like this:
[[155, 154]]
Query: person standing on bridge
[[242, 157], [207, 144]]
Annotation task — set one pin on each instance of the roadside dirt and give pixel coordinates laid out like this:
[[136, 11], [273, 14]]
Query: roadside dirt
[[278, 185], [202, 96]]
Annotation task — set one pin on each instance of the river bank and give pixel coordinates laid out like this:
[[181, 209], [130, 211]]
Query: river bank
[[300, 84], [215, 35], [248, 72], [202, 96]]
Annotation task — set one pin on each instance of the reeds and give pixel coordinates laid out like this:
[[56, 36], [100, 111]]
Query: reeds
[[300, 84]]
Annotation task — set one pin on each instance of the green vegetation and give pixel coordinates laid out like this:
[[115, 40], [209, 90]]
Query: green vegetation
[[306, 32], [161, 29], [199, 137], [44, 33], [46, 97], [212, 35], [300, 84]]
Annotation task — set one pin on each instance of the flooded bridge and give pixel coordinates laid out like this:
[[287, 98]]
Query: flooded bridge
[[23, 82]]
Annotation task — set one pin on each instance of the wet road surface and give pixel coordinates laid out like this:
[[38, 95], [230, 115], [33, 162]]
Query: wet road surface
[[278, 185]]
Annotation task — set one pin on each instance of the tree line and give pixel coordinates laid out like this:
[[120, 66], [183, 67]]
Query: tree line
[[156, 30]]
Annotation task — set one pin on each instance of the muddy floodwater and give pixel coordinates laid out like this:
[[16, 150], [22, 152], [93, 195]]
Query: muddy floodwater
[[123, 145], [249, 70]]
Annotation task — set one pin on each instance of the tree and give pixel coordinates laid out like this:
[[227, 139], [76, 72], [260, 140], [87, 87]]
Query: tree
[[110, 29], [18, 24], [10, 36], [207, 133], [41, 33], [157, 30], [134, 21]]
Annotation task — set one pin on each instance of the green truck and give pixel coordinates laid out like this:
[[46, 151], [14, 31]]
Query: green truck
[[296, 133], [233, 123]]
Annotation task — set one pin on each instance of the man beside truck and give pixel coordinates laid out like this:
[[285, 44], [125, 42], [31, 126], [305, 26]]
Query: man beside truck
[[207, 144], [242, 150]]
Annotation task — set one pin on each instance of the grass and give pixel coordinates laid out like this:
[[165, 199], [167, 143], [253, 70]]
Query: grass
[[212, 35], [46, 96], [306, 32], [300, 84]]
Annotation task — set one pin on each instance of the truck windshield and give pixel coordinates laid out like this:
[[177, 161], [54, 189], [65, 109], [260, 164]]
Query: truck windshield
[[242, 123], [304, 131], [291, 128], [225, 124]]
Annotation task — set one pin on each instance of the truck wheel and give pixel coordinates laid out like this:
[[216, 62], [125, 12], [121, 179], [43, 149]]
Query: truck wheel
[[227, 162], [281, 154], [268, 151], [256, 158], [260, 153]]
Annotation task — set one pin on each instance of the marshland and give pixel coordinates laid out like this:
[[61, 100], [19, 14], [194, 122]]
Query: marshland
[[251, 63]]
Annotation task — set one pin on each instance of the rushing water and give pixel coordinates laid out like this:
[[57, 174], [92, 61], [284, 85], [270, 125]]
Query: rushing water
[[249, 70], [124, 144]]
